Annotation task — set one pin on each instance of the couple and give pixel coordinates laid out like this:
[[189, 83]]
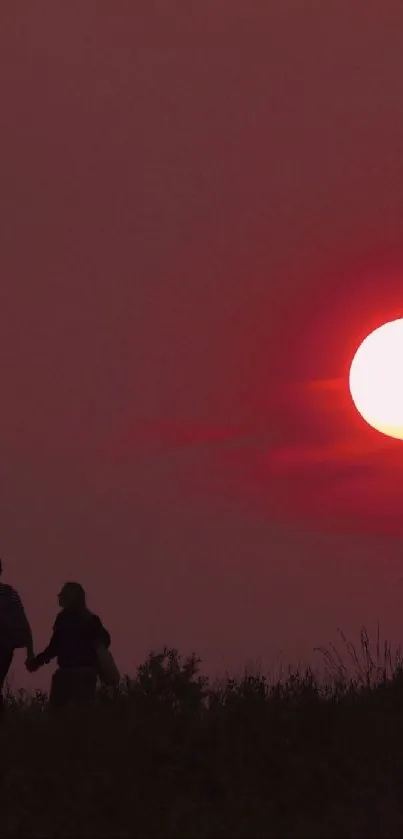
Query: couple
[[78, 636]]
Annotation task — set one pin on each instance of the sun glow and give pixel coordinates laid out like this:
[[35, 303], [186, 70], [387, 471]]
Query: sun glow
[[376, 379]]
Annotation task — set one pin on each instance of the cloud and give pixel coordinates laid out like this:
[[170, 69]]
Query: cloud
[[314, 458], [335, 385], [170, 435]]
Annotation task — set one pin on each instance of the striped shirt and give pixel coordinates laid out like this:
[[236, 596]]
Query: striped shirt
[[15, 630]]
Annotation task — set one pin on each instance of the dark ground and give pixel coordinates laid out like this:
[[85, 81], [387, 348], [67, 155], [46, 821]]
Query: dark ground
[[166, 757]]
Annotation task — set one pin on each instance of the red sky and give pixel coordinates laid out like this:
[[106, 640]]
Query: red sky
[[201, 217]]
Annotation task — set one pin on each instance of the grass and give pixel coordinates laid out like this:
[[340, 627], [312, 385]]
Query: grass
[[168, 755]]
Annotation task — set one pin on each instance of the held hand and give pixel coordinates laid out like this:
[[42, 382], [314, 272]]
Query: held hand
[[30, 664]]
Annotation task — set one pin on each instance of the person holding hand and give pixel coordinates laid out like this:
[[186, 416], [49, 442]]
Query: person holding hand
[[77, 633], [15, 632]]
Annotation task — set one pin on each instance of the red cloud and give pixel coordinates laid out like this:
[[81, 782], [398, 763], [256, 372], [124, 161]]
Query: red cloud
[[315, 458]]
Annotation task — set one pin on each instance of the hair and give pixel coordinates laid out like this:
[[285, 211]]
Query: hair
[[1, 567], [77, 594]]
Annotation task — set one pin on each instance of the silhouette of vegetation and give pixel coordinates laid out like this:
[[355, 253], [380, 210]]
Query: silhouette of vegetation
[[166, 754]]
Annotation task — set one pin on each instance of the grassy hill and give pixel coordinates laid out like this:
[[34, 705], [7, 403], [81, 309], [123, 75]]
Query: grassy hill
[[168, 755]]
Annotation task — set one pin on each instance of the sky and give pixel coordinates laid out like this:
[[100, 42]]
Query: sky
[[201, 218]]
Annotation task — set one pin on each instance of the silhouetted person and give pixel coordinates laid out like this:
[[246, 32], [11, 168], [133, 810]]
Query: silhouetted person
[[76, 634], [15, 632]]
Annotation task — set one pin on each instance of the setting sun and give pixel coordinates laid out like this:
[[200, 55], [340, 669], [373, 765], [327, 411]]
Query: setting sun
[[376, 381]]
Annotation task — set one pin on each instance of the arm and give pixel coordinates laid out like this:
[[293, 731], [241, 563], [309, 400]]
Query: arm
[[51, 650], [101, 635], [22, 621], [30, 644], [106, 637]]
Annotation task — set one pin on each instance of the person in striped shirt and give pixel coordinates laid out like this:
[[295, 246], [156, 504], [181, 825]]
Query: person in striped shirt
[[15, 632]]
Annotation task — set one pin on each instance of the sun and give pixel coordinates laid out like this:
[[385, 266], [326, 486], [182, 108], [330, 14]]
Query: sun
[[376, 379]]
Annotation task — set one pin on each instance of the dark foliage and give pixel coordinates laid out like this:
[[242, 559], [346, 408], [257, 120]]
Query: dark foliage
[[168, 755]]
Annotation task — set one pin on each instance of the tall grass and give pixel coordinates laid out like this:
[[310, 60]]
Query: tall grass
[[167, 754], [365, 666]]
